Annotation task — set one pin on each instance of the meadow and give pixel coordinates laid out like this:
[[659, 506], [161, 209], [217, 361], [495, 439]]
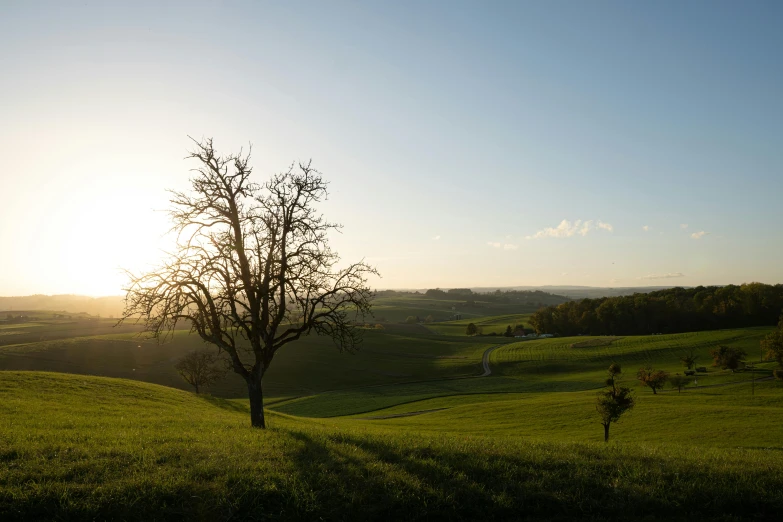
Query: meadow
[[80, 447], [407, 427]]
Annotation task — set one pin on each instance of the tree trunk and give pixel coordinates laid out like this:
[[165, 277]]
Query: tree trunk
[[196, 386], [655, 392], [256, 403], [606, 432]]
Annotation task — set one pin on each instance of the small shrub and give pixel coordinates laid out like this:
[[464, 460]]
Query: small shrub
[[701, 369], [690, 372], [778, 373]]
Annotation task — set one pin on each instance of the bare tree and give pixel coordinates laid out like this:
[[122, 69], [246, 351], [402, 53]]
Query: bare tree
[[679, 381], [689, 359], [253, 270], [201, 368]]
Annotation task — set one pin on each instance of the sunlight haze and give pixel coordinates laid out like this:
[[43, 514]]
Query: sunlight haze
[[465, 143]]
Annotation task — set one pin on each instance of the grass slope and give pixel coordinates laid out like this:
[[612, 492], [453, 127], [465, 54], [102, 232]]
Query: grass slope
[[78, 447], [398, 353], [549, 365]]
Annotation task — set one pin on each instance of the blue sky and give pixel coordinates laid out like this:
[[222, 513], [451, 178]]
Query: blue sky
[[457, 136]]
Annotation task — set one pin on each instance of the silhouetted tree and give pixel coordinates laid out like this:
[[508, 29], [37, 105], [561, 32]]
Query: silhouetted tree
[[201, 368], [689, 359], [679, 381], [614, 400], [653, 379], [472, 329], [252, 270], [509, 332], [727, 357]]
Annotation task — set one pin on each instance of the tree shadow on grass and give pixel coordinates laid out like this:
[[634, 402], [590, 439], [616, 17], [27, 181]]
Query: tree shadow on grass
[[382, 478], [379, 481], [226, 404]]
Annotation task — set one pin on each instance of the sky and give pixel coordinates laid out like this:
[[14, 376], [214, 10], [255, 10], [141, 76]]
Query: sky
[[465, 143]]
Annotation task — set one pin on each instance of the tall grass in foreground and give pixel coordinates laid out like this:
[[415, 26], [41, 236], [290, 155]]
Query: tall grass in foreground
[[76, 447]]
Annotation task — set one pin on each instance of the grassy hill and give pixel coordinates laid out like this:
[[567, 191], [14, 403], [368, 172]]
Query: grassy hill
[[576, 364], [80, 447], [406, 428], [396, 353]]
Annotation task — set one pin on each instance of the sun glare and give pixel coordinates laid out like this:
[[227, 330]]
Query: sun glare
[[87, 240]]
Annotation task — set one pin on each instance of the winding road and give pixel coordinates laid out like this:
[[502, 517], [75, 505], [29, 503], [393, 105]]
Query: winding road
[[485, 360]]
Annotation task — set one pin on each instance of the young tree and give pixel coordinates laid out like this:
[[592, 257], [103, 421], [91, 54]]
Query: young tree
[[201, 368], [429, 319], [654, 379], [772, 344], [410, 319], [728, 358], [509, 332], [472, 329], [689, 360], [253, 270], [614, 400], [679, 381]]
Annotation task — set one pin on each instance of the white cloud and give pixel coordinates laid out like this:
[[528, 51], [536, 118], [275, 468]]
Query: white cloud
[[605, 226], [504, 246], [670, 275], [568, 229], [646, 228], [699, 235], [564, 274], [436, 238], [684, 226], [614, 280]]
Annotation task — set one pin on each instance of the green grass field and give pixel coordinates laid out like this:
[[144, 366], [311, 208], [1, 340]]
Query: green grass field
[[406, 428], [79, 447]]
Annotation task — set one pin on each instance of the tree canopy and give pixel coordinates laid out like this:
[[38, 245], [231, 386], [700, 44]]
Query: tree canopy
[[653, 379], [665, 311], [728, 357], [614, 400], [773, 344], [253, 270]]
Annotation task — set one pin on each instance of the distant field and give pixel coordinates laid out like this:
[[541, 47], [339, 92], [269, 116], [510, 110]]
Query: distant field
[[549, 365], [398, 309], [496, 324], [558, 363], [398, 353]]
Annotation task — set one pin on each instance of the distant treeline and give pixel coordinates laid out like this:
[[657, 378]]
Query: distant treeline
[[665, 311], [99, 306], [498, 296]]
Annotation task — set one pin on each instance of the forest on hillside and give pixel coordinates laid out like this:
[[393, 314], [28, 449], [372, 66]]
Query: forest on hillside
[[665, 311]]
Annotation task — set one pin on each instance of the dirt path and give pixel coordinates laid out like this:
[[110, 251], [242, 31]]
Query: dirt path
[[485, 361], [397, 415]]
